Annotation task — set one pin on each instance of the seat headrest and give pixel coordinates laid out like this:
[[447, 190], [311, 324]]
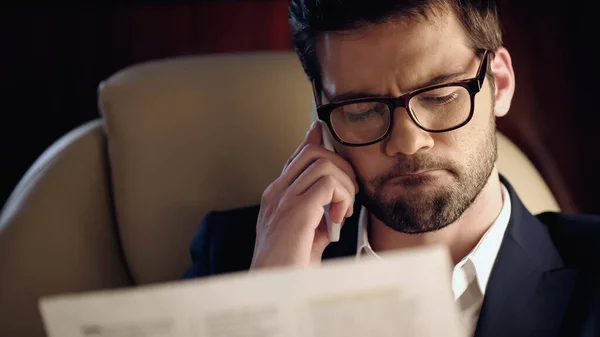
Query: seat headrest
[[195, 134]]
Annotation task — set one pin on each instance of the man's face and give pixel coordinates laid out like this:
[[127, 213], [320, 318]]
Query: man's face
[[413, 181]]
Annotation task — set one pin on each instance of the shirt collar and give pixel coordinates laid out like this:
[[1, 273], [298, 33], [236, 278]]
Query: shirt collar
[[484, 254], [364, 247], [482, 257]]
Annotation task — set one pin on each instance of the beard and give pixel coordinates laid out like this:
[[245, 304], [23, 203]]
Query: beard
[[439, 206]]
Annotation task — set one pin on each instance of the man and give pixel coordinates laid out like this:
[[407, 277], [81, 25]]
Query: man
[[410, 91]]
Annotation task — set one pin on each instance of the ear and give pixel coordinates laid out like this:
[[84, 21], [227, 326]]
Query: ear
[[501, 66]]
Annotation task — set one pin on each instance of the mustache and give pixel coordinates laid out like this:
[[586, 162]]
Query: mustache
[[415, 163]]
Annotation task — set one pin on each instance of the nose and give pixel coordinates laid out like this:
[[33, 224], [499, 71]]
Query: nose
[[406, 137]]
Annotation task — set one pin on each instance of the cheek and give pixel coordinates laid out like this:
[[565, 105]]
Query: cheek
[[484, 105], [482, 123], [367, 161], [468, 141]]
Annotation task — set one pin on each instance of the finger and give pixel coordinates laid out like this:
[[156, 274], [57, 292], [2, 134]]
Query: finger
[[338, 211], [318, 169], [320, 242], [311, 154], [328, 190], [313, 136]]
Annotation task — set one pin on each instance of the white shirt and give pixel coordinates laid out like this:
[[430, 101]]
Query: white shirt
[[470, 276]]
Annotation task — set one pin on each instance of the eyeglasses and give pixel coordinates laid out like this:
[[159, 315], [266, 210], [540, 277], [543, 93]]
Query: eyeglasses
[[438, 108]]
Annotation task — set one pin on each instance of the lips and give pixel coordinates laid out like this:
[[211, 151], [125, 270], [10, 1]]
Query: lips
[[417, 173], [414, 178]]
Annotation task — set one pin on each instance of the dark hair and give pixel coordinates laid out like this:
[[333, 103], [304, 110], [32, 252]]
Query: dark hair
[[309, 18]]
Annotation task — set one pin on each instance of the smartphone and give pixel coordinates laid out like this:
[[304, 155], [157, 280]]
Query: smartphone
[[332, 228]]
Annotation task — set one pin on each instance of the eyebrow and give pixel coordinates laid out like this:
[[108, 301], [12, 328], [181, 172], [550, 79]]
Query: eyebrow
[[440, 79]]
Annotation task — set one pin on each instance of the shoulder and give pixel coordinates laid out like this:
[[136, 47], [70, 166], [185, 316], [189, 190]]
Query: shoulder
[[232, 221], [224, 241], [576, 236], [580, 227], [237, 224]]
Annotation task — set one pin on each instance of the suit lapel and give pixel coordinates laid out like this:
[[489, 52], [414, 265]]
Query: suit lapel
[[529, 287]]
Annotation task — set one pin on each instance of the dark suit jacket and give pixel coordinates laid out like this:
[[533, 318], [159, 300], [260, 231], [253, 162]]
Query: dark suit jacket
[[545, 280]]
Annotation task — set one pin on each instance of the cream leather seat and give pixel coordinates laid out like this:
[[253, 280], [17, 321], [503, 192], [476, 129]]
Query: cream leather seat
[[115, 202]]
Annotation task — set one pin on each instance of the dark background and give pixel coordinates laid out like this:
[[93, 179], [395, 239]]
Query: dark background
[[53, 58]]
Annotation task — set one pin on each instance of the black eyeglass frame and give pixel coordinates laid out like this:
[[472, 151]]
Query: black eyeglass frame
[[473, 86]]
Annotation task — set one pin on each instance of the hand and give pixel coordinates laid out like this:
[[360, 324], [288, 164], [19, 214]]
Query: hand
[[291, 229]]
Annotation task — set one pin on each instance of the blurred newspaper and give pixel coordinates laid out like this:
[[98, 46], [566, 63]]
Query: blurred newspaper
[[405, 294]]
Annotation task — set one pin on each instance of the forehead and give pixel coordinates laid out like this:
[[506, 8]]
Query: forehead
[[393, 57]]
